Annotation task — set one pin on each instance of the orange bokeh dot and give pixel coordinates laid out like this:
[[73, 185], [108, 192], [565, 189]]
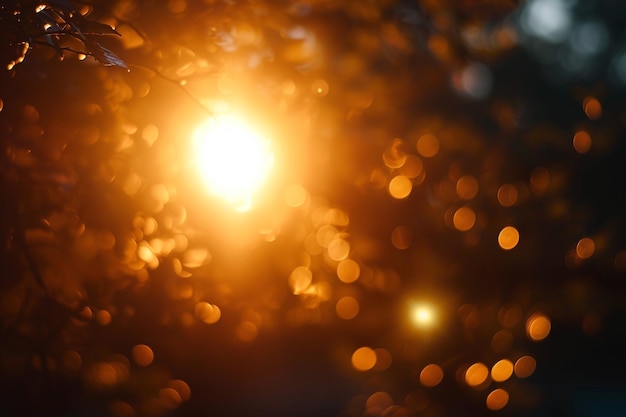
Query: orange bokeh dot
[[508, 238], [582, 142], [428, 145], [585, 248], [142, 355], [525, 366], [502, 370], [348, 271], [400, 187], [592, 108], [507, 195], [364, 359], [476, 374], [467, 187], [347, 308], [464, 219], [497, 399], [538, 327], [431, 375]]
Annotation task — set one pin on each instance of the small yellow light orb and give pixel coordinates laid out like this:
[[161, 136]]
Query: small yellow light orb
[[232, 159], [422, 315]]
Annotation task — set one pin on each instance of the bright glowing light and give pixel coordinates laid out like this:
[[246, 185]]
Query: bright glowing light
[[423, 316], [233, 159]]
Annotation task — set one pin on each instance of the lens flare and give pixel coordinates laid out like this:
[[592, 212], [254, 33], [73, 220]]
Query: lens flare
[[233, 160]]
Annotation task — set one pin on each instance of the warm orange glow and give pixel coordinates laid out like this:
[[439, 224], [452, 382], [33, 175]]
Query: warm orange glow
[[525, 366], [364, 358], [507, 195], [142, 355], [400, 187], [592, 108], [467, 187], [431, 375], [582, 142], [538, 327], [476, 374], [423, 315], [508, 238], [232, 159], [348, 271], [497, 399], [428, 145], [464, 219], [502, 370], [347, 308], [585, 248]]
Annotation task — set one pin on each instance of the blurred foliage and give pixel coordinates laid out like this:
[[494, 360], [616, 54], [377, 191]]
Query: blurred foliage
[[424, 158]]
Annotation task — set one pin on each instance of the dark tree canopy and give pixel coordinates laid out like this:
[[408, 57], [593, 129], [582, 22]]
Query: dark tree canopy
[[312, 208]]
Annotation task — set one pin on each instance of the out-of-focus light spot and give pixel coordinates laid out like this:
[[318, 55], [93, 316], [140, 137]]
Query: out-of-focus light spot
[[170, 398], [401, 237], [142, 355], [347, 307], [412, 167], [508, 238], [246, 331], [377, 403], [547, 19], [525, 366], [208, 313], [428, 145], [150, 134], [300, 279], [320, 87], [121, 409], [194, 258], [393, 156], [539, 179], [464, 219], [431, 375], [470, 316], [72, 361], [383, 359], [296, 196], [502, 341], [177, 6], [582, 142], [476, 374], [338, 249], [585, 248], [497, 399], [103, 317], [348, 270], [422, 315], [400, 187], [467, 187], [592, 108], [502, 370], [475, 81], [620, 261], [507, 195], [337, 217], [326, 234], [233, 159], [181, 387], [538, 327], [364, 359], [510, 315], [589, 38]]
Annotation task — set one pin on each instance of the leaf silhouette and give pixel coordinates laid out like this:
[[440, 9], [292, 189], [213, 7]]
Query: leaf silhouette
[[91, 27], [104, 55]]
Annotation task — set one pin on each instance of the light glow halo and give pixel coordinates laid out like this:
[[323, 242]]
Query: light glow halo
[[233, 159]]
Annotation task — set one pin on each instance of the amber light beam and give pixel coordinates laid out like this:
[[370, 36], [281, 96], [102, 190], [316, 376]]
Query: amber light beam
[[233, 159]]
